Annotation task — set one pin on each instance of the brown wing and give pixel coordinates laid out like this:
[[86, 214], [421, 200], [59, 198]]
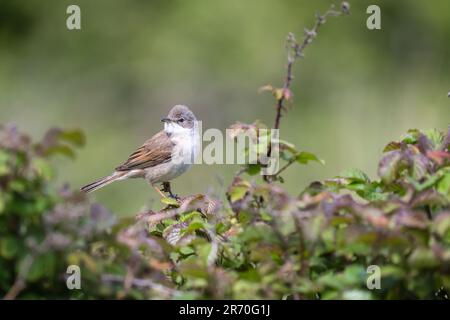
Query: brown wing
[[156, 150]]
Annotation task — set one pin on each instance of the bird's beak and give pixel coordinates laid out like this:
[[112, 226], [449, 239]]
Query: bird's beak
[[166, 120]]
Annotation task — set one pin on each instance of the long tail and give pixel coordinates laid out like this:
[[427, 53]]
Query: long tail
[[102, 182]]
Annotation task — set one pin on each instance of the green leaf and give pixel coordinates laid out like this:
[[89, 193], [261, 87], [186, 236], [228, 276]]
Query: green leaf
[[265, 215], [393, 272], [244, 217], [443, 185], [222, 228], [432, 180], [18, 185], [196, 224], [355, 175], [253, 169], [251, 275], [170, 201], [61, 150], [441, 224], [238, 192], [76, 137], [8, 247], [391, 146], [411, 136], [186, 250], [304, 157], [42, 266], [435, 136], [352, 275], [190, 216], [43, 168], [423, 258]]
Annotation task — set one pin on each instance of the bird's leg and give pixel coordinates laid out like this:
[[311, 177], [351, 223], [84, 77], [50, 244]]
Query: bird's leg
[[159, 191], [166, 188]]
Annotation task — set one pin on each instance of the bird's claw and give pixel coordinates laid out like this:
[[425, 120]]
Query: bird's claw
[[174, 196], [166, 188]]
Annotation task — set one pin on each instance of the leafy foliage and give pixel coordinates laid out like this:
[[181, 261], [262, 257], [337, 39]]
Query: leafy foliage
[[263, 243], [323, 240]]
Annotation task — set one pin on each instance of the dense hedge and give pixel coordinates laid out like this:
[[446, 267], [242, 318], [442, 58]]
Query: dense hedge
[[330, 241], [262, 243]]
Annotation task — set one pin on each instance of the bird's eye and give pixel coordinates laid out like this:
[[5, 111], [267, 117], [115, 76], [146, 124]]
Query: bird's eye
[[181, 120]]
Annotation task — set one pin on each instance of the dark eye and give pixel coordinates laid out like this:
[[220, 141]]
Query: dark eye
[[181, 120]]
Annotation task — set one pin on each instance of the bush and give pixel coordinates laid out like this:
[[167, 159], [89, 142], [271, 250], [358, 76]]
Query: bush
[[331, 241], [320, 244], [267, 244]]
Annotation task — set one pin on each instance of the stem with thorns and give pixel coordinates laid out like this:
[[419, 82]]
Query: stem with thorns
[[294, 51]]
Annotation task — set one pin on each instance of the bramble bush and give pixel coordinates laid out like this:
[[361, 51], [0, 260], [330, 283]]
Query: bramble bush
[[265, 243], [262, 242]]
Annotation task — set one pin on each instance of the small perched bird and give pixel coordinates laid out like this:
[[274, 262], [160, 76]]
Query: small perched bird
[[163, 157]]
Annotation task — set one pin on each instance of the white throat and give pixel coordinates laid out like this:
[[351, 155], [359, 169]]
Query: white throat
[[174, 129], [186, 142]]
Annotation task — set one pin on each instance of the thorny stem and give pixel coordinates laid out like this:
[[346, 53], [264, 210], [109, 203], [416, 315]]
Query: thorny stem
[[295, 51]]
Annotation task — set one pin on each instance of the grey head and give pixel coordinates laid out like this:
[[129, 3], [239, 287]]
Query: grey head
[[180, 115]]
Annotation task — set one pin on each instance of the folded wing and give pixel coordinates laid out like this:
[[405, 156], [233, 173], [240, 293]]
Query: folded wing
[[155, 151]]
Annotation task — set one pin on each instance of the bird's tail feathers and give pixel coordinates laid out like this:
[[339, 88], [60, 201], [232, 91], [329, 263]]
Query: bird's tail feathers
[[102, 182]]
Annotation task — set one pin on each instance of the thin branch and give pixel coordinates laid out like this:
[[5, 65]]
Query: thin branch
[[20, 282], [294, 51], [287, 165]]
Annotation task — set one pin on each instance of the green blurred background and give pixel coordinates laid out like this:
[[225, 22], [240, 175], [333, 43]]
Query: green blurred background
[[355, 90]]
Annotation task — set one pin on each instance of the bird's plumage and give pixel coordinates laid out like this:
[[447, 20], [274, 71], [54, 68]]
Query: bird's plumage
[[161, 158], [154, 151]]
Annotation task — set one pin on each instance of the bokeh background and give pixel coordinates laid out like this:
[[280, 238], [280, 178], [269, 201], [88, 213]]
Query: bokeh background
[[355, 90]]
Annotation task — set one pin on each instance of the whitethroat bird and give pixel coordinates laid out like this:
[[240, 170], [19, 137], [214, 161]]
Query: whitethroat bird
[[163, 157]]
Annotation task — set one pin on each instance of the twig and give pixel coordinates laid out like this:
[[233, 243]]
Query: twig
[[20, 282], [288, 164], [295, 51]]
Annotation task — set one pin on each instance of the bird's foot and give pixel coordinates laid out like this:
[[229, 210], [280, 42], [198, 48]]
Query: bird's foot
[[174, 196], [166, 188]]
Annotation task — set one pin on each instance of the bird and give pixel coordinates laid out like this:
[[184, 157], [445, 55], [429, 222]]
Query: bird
[[163, 157]]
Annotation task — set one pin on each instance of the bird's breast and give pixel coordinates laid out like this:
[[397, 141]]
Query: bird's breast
[[185, 146]]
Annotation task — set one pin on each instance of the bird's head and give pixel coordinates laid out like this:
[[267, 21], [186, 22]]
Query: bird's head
[[179, 120]]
